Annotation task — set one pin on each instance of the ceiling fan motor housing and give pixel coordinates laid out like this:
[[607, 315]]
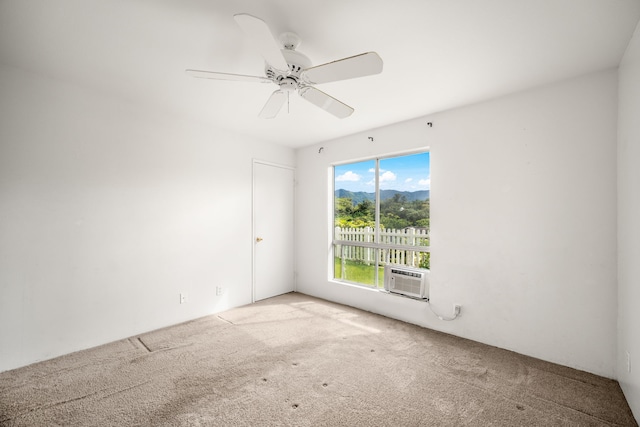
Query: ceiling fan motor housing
[[296, 61], [288, 84]]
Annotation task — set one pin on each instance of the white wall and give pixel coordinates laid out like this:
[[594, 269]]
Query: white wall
[[107, 212], [523, 221], [628, 226]]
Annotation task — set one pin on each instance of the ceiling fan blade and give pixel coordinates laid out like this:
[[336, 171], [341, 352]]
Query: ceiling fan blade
[[361, 65], [260, 35], [326, 102], [273, 105], [226, 76]]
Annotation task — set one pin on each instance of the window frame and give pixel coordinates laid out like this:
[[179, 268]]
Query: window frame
[[376, 245]]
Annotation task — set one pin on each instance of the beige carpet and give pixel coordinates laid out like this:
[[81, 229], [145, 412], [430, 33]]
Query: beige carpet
[[298, 361]]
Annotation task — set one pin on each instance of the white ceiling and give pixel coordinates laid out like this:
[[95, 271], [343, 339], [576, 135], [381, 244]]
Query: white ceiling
[[438, 54]]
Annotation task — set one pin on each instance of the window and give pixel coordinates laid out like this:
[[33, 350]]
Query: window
[[381, 216]]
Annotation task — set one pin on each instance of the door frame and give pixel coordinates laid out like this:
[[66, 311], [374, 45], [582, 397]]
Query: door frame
[[253, 221]]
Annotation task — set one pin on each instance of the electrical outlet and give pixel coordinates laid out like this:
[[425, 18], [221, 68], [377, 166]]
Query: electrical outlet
[[183, 298], [456, 309], [219, 290]]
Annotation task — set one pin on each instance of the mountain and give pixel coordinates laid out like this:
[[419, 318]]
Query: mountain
[[358, 196]]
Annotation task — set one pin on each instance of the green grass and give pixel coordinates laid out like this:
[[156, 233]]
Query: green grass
[[358, 272]]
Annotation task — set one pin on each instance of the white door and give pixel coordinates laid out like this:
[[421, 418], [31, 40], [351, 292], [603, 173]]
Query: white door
[[273, 255]]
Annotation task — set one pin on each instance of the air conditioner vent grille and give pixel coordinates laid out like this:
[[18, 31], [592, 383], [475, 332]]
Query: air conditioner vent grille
[[406, 273], [407, 281]]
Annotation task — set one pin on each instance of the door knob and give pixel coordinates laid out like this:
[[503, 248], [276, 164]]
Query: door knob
[[259, 239]]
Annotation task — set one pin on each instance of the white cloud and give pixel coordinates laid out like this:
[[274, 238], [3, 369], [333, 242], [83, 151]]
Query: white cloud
[[348, 176], [387, 176], [425, 182], [408, 180]]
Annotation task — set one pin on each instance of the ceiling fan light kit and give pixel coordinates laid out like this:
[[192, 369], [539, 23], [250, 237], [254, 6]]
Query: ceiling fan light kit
[[293, 72]]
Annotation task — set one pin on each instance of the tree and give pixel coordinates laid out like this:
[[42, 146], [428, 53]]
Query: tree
[[358, 216], [396, 212], [343, 206]]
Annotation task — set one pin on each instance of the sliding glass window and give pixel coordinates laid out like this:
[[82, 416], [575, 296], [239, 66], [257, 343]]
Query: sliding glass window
[[381, 217]]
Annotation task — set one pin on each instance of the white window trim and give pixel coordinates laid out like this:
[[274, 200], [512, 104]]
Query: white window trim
[[375, 244]]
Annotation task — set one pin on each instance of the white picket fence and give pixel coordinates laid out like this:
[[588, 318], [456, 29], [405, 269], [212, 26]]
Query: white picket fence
[[406, 246]]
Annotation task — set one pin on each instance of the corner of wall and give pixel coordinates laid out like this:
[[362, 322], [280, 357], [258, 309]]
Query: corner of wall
[[628, 208]]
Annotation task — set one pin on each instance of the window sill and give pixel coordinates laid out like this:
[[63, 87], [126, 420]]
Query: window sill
[[356, 285], [378, 290]]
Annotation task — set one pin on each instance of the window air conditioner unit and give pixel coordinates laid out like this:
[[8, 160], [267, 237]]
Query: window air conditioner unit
[[412, 282]]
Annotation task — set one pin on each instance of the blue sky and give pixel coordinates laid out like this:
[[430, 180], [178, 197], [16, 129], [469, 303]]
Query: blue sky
[[404, 173]]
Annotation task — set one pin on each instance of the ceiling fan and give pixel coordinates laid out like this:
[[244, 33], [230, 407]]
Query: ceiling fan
[[292, 71]]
